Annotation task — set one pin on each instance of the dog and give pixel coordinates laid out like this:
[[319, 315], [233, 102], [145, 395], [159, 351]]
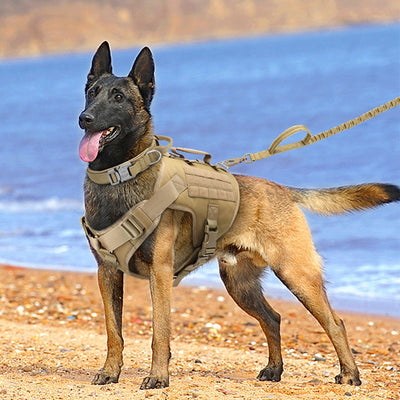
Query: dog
[[269, 229]]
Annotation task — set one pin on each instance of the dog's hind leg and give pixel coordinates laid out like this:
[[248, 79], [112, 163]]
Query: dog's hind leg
[[305, 281], [111, 289], [242, 281]]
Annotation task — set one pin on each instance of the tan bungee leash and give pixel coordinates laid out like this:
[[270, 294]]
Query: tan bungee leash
[[276, 148]]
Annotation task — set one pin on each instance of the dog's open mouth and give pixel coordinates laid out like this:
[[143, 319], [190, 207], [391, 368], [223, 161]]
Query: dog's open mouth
[[93, 142]]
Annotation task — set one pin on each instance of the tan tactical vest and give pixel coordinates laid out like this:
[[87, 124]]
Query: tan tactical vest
[[207, 192]]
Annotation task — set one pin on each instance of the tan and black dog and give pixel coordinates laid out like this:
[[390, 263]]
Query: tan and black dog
[[269, 230]]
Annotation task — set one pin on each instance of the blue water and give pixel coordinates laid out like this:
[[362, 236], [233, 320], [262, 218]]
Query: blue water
[[227, 97]]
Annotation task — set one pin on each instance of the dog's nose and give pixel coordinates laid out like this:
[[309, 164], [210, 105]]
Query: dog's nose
[[85, 119]]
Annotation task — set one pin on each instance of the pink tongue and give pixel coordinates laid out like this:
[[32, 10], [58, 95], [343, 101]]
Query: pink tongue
[[89, 146]]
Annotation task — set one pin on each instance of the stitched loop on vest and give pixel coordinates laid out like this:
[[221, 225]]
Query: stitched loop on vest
[[206, 156]]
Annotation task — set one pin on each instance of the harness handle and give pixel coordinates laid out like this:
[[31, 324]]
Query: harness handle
[[176, 151], [276, 146]]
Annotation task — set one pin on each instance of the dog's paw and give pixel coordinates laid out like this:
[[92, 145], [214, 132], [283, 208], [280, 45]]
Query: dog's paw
[[270, 374], [152, 382], [102, 378], [348, 379]]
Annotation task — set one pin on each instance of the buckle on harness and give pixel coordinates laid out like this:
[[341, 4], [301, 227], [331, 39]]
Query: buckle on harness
[[120, 174], [133, 227]]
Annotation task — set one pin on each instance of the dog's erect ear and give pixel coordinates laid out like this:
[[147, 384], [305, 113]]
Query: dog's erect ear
[[142, 74], [101, 62]]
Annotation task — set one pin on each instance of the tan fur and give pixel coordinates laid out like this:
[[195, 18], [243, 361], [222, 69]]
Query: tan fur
[[342, 199], [269, 225]]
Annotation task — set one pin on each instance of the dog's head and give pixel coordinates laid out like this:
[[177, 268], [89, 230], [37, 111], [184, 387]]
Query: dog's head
[[116, 114]]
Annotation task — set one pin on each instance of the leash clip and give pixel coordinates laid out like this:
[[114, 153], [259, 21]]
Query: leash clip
[[120, 174], [247, 158]]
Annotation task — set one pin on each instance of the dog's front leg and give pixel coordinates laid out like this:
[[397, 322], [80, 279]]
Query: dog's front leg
[[111, 288], [161, 276]]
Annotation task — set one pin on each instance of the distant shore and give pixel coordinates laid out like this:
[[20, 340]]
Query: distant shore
[[52, 340], [43, 27]]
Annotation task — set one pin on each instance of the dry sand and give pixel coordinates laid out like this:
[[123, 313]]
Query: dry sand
[[52, 339]]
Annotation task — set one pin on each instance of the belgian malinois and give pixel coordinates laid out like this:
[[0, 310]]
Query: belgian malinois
[[269, 230]]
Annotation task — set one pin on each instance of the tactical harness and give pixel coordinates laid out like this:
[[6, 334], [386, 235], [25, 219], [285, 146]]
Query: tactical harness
[[206, 191]]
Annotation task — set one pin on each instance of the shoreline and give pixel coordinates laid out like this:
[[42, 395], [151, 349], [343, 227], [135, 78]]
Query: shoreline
[[346, 303], [56, 27], [53, 340], [160, 44]]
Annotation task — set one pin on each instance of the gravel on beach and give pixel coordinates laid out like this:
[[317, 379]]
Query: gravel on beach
[[52, 341]]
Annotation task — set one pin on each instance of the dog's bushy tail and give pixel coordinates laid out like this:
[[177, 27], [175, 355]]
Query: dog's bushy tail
[[345, 199]]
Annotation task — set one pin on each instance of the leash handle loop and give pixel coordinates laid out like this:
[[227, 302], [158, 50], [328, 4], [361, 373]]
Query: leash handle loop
[[276, 148]]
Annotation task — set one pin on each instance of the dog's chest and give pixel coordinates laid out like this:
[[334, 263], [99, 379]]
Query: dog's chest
[[105, 204]]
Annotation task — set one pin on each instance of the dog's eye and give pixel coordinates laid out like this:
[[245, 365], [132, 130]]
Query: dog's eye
[[91, 93], [118, 97]]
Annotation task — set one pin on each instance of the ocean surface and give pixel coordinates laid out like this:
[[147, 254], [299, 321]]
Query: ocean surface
[[227, 97]]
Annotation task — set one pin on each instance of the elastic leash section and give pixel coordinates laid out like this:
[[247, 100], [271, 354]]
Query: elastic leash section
[[277, 148]]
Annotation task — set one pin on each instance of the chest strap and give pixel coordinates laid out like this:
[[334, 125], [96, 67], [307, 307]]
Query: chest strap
[[117, 243]]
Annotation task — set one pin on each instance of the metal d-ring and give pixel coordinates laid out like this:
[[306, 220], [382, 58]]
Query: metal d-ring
[[159, 156]]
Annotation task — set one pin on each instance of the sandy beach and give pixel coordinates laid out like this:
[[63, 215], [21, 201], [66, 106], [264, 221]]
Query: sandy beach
[[52, 339]]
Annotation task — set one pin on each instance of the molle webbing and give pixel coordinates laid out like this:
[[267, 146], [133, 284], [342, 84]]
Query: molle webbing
[[208, 193], [205, 185]]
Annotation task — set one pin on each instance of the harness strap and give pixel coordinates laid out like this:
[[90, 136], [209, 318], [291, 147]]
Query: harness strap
[[135, 226], [141, 221], [133, 167], [276, 146], [208, 246]]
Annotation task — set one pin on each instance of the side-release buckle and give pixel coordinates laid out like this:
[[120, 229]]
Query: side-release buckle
[[132, 227], [120, 174]]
